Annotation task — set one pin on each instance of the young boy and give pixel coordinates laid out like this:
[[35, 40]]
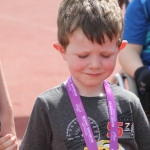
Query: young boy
[[90, 36]]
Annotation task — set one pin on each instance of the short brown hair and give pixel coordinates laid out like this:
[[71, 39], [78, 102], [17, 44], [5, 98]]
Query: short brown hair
[[95, 18]]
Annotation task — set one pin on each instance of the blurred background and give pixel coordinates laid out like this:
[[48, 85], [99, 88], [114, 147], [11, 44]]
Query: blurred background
[[30, 63]]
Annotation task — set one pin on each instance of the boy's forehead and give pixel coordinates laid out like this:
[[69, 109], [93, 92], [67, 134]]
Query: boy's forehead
[[78, 34], [79, 37]]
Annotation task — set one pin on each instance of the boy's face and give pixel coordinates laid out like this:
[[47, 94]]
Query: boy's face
[[89, 63]]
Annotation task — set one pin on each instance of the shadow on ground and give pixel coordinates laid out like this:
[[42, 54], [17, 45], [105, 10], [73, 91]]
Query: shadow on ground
[[21, 124]]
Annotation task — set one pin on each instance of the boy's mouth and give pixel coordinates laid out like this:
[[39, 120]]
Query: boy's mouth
[[93, 74]]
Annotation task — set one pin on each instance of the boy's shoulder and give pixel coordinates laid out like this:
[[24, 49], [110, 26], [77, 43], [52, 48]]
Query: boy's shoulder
[[123, 94], [54, 94]]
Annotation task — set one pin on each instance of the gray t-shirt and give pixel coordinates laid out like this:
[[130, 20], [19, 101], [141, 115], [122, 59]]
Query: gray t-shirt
[[54, 126]]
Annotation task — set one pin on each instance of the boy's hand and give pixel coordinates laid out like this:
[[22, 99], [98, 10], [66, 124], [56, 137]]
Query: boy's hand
[[8, 142], [142, 78]]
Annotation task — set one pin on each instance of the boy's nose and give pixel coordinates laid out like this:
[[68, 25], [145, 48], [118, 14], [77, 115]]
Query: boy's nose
[[95, 63]]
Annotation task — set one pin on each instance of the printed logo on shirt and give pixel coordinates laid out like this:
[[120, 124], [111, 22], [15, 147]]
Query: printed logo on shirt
[[74, 135], [125, 129], [101, 131]]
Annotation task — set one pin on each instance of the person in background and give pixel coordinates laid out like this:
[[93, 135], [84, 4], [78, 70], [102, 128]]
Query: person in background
[[7, 127], [135, 58]]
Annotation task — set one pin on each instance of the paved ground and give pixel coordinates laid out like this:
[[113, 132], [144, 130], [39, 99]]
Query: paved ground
[[30, 63]]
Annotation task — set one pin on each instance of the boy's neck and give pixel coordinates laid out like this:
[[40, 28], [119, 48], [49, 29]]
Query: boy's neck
[[90, 91]]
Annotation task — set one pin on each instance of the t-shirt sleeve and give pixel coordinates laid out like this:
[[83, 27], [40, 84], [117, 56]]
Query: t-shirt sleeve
[[141, 125], [38, 132], [135, 23]]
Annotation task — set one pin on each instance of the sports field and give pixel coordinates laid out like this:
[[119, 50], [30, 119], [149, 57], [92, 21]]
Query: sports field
[[30, 63]]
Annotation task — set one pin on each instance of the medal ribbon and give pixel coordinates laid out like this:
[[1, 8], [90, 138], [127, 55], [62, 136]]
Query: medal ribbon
[[83, 119]]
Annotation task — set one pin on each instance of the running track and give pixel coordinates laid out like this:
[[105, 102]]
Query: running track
[[29, 61]]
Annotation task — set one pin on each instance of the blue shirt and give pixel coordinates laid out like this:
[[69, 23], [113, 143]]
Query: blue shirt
[[137, 27]]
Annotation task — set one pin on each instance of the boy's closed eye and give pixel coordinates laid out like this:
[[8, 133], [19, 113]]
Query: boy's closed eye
[[105, 55], [83, 56]]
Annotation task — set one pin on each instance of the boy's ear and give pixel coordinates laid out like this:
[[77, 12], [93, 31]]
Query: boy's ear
[[60, 49], [123, 45]]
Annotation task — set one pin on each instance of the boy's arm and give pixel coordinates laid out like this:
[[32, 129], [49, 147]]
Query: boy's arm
[[38, 133], [141, 125], [6, 109]]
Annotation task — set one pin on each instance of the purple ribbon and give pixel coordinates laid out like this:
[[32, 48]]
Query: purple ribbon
[[83, 119], [113, 117]]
